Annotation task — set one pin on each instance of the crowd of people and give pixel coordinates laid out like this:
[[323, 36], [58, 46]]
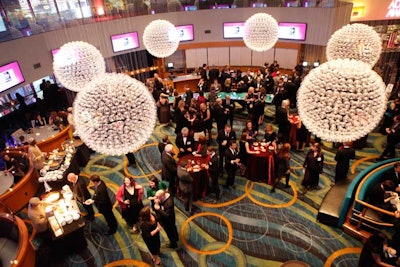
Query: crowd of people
[[228, 153]]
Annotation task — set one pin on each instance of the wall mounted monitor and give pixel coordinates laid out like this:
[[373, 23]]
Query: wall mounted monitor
[[186, 32], [125, 41], [55, 51], [3, 27], [292, 31], [233, 30], [10, 76], [219, 6], [189, 8]]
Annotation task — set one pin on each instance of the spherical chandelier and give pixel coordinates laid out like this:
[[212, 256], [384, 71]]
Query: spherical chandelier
[[341, 100], [356, 41], [260, 32], [161, 38], [115, 114], [77, 63]]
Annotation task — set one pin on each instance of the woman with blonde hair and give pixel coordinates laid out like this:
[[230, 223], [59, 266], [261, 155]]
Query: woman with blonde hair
[[282, 166]]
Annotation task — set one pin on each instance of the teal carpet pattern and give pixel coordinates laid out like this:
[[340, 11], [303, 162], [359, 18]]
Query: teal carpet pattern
[[249, 226]]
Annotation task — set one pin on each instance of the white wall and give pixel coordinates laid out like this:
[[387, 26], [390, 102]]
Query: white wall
[[321, 22]]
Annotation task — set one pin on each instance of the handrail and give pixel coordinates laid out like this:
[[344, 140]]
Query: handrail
[[366, 204]]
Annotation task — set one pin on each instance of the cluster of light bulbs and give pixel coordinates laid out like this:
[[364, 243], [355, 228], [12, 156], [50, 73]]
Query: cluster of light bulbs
[[356, 41], [341, 100], [161, 38], [260, 32], [344, 99], [77, 63], [113, 113]]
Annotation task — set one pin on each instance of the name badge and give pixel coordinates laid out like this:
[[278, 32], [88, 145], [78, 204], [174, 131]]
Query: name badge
[[319, 159], [210, 163], [189, 142]]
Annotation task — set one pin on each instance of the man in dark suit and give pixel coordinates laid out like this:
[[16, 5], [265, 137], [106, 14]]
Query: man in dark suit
[[213, 171], [229, 106], [169, 168], [104, 204], [393, 175], [164, 141], [343, 157], [81, 193], [203, 72], [220, 114], [393, 138], [189, 96], [247, 79], [232, 162], [224, 137], [213, 74], [225, 74], [184, 142], [186, 185], [282, 120], [165, 213]]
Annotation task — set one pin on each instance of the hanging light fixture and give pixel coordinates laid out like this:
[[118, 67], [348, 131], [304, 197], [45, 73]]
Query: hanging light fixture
[[77, 63], [356, 41], [341, 100], [114, 114], [260, 32], [161, 38]]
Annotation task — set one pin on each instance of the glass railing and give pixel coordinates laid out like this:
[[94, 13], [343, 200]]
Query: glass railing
[[27, 17]]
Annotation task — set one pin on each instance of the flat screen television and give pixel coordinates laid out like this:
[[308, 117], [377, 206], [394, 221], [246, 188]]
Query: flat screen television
[[219, 6], [233, 30], [186, 32], [292, 31], [125, 41], [10, 76], [55, 51], [189, 8], [3, 27]]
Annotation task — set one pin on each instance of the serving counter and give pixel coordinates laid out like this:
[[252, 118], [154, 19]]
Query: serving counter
[[181, 82]]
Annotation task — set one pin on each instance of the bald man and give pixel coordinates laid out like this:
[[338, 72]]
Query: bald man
[[81, 193]]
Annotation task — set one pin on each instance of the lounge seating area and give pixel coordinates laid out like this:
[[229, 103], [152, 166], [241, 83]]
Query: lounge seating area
[[360, 218], [15, 247]]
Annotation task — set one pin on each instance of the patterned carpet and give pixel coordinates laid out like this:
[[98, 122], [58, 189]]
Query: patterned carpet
[[248, 227]]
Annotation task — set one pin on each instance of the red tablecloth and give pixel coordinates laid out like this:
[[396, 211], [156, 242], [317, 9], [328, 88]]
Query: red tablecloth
[[261, 167], [200, 178]]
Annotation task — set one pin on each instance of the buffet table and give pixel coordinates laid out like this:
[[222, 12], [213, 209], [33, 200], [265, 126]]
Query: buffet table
[[199, 174], [65, 222], [261, 167]]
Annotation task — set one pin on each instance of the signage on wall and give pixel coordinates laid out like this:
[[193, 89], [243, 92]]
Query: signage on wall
[[393, 9]]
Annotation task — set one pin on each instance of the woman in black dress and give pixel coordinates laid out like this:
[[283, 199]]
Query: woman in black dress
[[205, 115], [129, 196], [282, 166], [163, 110], [244, 151], [150, 229], [180, 117], [313, 165]]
